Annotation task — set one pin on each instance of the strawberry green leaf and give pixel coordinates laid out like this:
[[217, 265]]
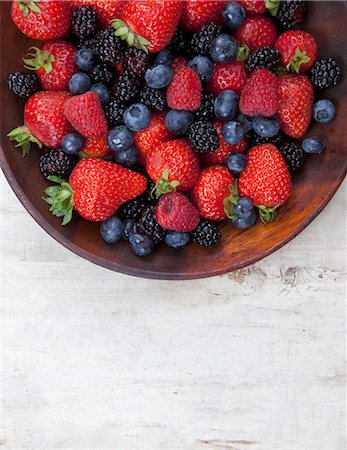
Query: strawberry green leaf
[[23, 138], [272, 6], [243, 52], [230, 202], [164, 186], [29, 5], [60, 197], [267, 214], [300, 57], [123, 31], [37, 59]]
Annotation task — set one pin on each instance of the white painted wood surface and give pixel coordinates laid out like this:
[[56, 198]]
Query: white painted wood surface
[[254, 360]]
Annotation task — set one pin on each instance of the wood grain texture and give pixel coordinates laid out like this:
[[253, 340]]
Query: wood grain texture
[[314, 186]]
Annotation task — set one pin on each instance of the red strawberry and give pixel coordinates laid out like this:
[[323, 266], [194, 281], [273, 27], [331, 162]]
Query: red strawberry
[[232, 76], [210, 191], [178, 63], [253, 7], [41, 19], [54, 64], [96, 147], [173, 165], [151, 137], [107, 10], [197, 13], [44, 121], [175, 212], [150, 24], [298, 50], [266, 180], [295, 94], [259, 96], [219, 156], [256, 32], [96, 189], [86, 115], [184, 91]]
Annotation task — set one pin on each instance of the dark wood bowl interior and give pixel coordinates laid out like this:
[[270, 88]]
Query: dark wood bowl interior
[[313, 187]]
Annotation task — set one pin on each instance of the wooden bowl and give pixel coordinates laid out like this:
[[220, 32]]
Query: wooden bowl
[[313, 187]]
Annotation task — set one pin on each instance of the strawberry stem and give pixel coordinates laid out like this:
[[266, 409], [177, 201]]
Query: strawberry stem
[[128, 35], [243, 52], [29, 5], [37, 59], [267, 214], [230, 202], [24, 138], [272, 6], [61, 199], [164, 186], [299, 58]]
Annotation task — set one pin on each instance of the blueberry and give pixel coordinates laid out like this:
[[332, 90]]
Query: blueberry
[[130, 227], [313, 145], [233, 15], [178, 122], [202, 66], [163, 58], [159, 76], [84, 59], [72, 143], [102, 92], [177, 239], [323, 111], [120, 138], [137, 117], [244, 208], [111, 230], [223, 48], [245, 222], [236, 162], [126, 158], [266, 126], [232, 132], [142, 244], [226, 105], [79, 83], [245, 121]]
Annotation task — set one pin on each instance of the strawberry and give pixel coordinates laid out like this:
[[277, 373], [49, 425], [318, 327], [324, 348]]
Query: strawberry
[[295, 93], [41, 19], [265, 180], [210, 191], [184, 91], [259, 96], [232, 76], [298, 50], [219, 156], [86, 115], [175, 212], [197, 13], [256, 32], [44, 121], [151, 137], [107, 10], [95, 147], [54, 64], [253, 7], [173, 165], [178, 63], [96, 189], [148, 25]]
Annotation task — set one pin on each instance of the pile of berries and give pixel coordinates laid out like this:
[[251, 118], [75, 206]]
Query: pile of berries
[[160, 119]]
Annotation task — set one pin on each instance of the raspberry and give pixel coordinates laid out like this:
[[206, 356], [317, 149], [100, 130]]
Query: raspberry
[[184, 91], [175, 212], [206, 234], [203, 137]]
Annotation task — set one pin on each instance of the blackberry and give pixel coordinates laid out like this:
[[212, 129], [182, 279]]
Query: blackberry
[[56, 162], [291, 14], [23, 85], [135, 62], [179, 43], [114, 112], [293, 156], [102, 73], [153, 98], [108, 47], [326, 73], [206, 109], [150, 226], [265, 57], [87, 42], [201, 41], [206, 234], [277, 140], [135, 208], [126, 89], [203, 137], [83, 21]]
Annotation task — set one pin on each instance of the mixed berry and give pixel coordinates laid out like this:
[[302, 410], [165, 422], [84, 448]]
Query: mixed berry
[[160, 119]]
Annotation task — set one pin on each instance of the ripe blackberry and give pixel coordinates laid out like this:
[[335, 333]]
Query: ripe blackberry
[[87, 42], [23, 85], [293, 156], [56, 162], [265, 57], [179, 43], [291, 14], [150, 226], [203, 137], [135, 62], [206, 109], [201, 41], [108, 47], [206, 234], [153, 98], [83, 21], [102, 73], [277, 140], [326, 73], [135, 208], [126, 89], [114, 112]]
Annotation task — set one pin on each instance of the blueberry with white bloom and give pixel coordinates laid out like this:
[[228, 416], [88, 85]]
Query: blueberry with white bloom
[[266, 126], [127, 157], [159, 76], [323, 111], [177, 239], [202, 66], [236, 162], [72, 143], [244, 208], [141, 244], [79, 83], [137, 117], [164, 57], [226, 105], [313, 145], [178, 122], [84, 59], [223, 48], [233, 15], [102, 92], [245, 121], [120, 138], [232, 132], [111, 230]]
